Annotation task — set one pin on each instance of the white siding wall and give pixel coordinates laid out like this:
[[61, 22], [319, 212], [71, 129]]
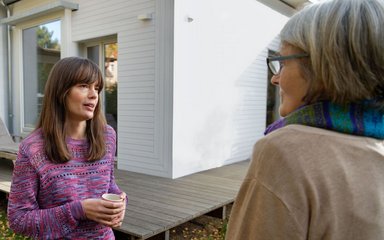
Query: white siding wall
[[220, 80], [192, 94], [144, 73], [140, 89], [274, 45]]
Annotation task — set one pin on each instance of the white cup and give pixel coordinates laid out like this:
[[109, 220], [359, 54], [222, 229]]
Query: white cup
[[111, 197]]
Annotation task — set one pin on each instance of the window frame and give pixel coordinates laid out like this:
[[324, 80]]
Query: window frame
[[18, 65], [100, 42]]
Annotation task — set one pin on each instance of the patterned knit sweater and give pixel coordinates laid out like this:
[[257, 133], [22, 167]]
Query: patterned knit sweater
[[44, 201]]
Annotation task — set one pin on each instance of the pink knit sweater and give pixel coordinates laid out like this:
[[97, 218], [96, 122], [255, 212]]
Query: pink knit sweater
[[44, 201]]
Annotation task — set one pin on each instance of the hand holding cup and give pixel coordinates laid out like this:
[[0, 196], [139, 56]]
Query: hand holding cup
[[108, 210], [116, 198]]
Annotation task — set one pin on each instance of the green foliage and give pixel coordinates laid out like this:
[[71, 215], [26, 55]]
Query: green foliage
[[111, 100], [44, 38], [111, 50], [43, 70], [223, 230]]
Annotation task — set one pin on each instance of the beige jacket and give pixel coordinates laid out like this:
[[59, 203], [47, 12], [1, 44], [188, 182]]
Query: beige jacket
[[310, 183]]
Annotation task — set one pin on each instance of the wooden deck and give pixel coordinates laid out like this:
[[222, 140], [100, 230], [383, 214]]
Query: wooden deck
[[158, 204], [6, 167]]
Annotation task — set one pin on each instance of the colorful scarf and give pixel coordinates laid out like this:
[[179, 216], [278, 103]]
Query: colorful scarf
[[361, 119]]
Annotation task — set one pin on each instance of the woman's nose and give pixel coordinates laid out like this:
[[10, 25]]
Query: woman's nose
[[275, 80], [93, 93]]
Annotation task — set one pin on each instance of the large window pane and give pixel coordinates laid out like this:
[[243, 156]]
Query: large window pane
[[93, 53], [41, 50]]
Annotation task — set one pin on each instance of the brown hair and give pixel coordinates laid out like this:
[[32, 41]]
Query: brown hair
[[344, 40], [65, 74]]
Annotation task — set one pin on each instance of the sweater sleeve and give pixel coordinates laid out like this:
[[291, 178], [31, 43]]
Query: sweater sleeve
[[24, 214], [113, 188]]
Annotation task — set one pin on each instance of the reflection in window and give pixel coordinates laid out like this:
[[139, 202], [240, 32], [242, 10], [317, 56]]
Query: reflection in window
[[272, 98], [41, 50], [110, 53], [110, 63]]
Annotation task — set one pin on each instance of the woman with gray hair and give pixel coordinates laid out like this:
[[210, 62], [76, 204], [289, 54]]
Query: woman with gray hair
[[319, 171]]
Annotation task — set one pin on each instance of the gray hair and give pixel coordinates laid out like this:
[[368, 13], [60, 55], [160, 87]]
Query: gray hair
[[345, 41]]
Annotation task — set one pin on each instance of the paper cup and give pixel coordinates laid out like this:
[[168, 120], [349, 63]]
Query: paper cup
[[111, 197]]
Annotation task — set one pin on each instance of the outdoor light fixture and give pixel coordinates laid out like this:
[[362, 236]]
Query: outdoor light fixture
[[188, 19], [145, 16]]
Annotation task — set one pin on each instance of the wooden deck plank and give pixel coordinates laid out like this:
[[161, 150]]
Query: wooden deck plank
[[174, 207], [198, 187], [6, 156], [154, 213], [158, 210], [196, 178], [211, 182], [160, 197], [177, 201], [180, 193], [191, 196], [164, 205], [6, 167], [5, 187]]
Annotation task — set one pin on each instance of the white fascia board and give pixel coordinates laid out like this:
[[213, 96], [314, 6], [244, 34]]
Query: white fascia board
[[39, 11], [279, 6]]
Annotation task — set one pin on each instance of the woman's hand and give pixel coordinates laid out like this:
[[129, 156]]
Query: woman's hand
[[120, 218], [105, 212]]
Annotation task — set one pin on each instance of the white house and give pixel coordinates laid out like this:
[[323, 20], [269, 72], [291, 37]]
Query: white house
[[191, 76]]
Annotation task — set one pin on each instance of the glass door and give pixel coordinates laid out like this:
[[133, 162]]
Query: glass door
[[105, 54], [110, 75]]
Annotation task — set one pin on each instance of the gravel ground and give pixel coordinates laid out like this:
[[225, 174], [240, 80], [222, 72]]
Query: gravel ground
[[202, 228]]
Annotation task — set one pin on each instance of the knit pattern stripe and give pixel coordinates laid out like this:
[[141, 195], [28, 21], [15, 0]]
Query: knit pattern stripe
[[361, 119]]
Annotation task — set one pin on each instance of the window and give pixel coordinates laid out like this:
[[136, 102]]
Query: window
[[110, 73], [41, 50], [272, 98]]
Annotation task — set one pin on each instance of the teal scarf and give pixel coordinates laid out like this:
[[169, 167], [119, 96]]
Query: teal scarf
[[361, 119]]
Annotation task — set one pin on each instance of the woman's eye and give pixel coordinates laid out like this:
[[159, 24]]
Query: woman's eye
[[84, 85]]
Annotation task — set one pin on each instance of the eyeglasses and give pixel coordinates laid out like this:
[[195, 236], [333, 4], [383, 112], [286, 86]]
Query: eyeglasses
[[274, 63]]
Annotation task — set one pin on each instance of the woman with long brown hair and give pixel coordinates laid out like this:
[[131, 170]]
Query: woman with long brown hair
[[67, 162]]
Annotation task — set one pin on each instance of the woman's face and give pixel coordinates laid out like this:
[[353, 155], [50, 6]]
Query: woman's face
[[81, 102], [293, 86]]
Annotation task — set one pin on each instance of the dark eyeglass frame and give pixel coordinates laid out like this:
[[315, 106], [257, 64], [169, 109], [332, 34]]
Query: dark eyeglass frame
[[273, 68]]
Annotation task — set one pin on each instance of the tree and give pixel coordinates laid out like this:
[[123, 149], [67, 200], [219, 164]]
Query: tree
[[44, 38], [111, 50]]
